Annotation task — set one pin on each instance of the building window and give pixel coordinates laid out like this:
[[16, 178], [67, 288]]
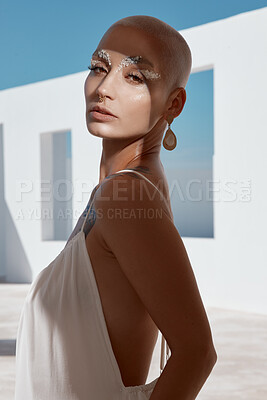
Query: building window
[[56, 185], [189, 167]]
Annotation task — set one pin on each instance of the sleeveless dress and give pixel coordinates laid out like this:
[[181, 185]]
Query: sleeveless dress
[[63, 349]]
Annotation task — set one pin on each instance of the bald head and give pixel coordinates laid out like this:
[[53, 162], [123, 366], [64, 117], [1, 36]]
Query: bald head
[[174, 51]]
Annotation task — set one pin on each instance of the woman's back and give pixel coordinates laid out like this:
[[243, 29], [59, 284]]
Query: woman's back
[[132, 331], [64, 350]]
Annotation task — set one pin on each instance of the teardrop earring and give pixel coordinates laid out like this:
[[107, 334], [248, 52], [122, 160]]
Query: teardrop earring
[[169, 141]]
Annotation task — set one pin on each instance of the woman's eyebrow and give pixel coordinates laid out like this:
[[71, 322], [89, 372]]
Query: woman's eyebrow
[[143, 60], [128, 59], [102, 54], [138, 60]]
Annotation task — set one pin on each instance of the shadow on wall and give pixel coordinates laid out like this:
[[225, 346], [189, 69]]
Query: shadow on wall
[[14, 264]]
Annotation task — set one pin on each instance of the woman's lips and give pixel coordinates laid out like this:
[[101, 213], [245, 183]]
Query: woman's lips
[[99, 116]]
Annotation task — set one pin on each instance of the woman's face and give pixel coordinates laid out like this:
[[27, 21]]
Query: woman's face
[[126, 69]]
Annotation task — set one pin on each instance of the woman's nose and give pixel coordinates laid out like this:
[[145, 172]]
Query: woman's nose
[[103, 93], [107, 87]]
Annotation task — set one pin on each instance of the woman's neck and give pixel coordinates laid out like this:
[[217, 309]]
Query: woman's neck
[[129, 157]]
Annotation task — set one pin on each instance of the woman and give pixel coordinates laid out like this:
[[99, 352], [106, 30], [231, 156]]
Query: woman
[[91, 318]]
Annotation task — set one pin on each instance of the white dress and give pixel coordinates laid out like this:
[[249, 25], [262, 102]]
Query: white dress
[[63, 349]]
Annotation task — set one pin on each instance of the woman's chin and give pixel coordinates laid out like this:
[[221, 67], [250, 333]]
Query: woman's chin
[[99, 132]]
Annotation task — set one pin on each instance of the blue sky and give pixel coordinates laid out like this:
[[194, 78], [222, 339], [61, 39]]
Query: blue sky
[[46, 39]]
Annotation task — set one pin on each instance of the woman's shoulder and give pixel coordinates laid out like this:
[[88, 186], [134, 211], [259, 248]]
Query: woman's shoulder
[[131, 190]]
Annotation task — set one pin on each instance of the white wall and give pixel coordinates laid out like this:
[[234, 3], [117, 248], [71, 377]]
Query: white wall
[[27, 111], [231, 268]]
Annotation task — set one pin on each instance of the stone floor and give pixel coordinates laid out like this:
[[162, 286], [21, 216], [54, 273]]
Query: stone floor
[[240, 340]]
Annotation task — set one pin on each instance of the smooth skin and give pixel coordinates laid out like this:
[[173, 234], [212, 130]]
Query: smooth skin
[[144, 276]]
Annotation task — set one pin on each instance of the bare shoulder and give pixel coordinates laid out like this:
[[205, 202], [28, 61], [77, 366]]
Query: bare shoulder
[[130, 192]]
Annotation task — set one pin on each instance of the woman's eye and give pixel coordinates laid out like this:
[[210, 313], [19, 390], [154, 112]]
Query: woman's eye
[[96, 69], [136, 78], [133, 77]]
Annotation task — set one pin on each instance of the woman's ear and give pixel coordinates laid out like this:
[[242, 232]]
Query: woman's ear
[[176, 102]]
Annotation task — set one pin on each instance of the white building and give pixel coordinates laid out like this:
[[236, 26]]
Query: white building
[[231, 268]]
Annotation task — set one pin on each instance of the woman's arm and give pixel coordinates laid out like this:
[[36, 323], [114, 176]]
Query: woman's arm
[[151, 254]]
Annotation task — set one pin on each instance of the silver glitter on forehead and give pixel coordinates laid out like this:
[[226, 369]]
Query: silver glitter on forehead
[[105, 55], [150, 74], [128, 61]]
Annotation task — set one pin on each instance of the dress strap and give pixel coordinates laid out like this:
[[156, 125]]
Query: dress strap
[[131, 170], [164, 349]]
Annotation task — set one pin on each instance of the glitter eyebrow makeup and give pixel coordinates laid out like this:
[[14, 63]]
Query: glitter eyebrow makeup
[[128, 61], [150, 74], [94, 63], [103, 54], [125, 62]]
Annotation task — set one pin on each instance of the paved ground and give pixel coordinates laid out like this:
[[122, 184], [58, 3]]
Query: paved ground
[[240, 340]]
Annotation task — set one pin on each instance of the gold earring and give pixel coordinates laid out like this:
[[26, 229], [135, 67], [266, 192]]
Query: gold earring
[[169, 141]]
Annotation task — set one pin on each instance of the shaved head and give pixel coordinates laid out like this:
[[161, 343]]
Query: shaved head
[[174, 52]]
